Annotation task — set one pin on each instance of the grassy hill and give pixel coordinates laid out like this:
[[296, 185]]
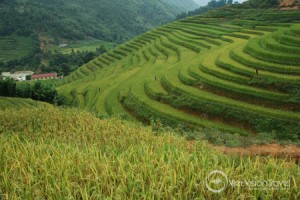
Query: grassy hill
[[54, 153], [233, 69]]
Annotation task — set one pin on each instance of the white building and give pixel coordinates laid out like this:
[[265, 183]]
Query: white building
[[18, 75]]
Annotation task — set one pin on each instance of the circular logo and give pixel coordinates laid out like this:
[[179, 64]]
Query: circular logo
[[216, 181]]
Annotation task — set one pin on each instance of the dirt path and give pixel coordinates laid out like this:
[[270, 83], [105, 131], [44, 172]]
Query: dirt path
[[276, 150]]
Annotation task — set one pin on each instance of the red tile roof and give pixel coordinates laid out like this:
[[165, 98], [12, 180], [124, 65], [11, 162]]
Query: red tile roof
[[36, 76]]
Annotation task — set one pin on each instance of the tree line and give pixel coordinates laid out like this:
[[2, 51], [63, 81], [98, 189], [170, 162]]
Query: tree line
[[81, 19], [64, 64], [37, 91]]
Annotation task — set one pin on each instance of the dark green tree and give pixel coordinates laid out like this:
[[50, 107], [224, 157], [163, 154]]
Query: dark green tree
[[28, 77], [8, 87], [101, 50]]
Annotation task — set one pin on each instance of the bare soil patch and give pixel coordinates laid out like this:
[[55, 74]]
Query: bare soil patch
[[290, 4], [276, 150]]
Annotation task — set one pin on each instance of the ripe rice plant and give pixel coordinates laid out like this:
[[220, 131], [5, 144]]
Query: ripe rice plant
[[66, 153]]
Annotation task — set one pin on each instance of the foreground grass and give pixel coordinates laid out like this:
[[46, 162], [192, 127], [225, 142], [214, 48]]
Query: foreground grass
[[51, 153]]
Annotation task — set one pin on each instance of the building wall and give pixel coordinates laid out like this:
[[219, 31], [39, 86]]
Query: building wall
[[19, 76], [45, 78]]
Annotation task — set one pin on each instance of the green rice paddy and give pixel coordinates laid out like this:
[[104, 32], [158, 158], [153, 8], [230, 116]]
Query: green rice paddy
[[14, 47], [199, 72]]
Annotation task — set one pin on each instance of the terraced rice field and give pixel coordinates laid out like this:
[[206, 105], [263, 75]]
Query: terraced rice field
[[14, 47], [199, 72]]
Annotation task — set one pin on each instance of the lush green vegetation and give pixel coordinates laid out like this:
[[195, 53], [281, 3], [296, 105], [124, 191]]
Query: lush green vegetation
[[260, 4], [30, 29], [217, 71], [51, 153], [114, 20], [62, 60], [228, 77], [36, 90], [20, 53], [250, 9], [64, 63], [14, 47], [81, 46]]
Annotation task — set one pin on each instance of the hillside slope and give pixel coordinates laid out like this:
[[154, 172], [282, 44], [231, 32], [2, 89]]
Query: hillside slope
[[222, 70], [70, 154], [110, 20]]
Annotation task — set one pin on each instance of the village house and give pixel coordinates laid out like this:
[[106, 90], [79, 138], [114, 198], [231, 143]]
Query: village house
[[44, 76], [18, 75]]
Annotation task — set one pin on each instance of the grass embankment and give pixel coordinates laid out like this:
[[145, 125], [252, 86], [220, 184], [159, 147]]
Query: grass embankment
[[54, 153]]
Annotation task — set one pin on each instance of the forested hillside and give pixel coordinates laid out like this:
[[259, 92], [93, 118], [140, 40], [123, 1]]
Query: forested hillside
[[113, 20], [187, 4], [29, 27]]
